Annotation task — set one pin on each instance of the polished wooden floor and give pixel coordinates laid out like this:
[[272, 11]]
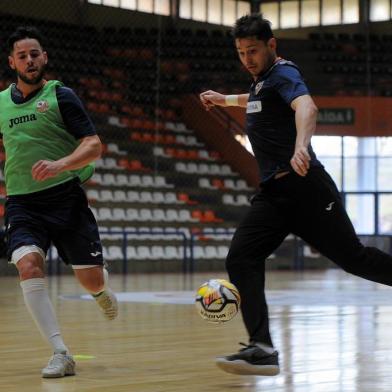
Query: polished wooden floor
[[333, 331]]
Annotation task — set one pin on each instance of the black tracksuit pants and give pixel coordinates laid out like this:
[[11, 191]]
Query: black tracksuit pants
[[311, 208]]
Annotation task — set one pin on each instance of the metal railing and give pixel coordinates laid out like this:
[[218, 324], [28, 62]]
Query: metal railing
[[124, 243], [189, 261]]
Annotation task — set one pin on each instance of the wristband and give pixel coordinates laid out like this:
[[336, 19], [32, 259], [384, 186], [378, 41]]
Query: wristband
[[231, 100]]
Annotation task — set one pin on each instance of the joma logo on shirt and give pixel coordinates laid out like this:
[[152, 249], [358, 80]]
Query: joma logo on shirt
[[22, 119]]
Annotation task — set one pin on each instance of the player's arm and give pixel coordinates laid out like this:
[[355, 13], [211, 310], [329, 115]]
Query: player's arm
[[305, 121], [211, 98], [89, 150]]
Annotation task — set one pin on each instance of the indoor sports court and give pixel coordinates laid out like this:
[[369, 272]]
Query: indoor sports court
[[331, 330], [174, 182]]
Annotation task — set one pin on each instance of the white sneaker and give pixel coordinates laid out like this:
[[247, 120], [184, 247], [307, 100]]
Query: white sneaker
[[59, 365], [108, 303]]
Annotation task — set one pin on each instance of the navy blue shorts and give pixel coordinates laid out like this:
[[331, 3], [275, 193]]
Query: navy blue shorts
[[58, 215]]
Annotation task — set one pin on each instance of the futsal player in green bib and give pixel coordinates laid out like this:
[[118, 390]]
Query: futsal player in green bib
[[50, 146]]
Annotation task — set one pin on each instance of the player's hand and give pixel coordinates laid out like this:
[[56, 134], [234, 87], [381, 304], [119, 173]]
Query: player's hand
[[211, 98], [300, 161], [43, 170]]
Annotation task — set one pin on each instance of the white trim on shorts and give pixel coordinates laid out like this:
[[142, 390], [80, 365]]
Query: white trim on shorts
[[24, 250], [85, 266]]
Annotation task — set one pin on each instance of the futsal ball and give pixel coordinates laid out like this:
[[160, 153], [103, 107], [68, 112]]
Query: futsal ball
[[217, 300]]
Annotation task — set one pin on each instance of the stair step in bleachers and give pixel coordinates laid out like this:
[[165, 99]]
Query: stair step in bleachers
[[175, 153], [155, 252], [217, 183], [213, 233], [188, 141], [145, 233], [177, 127], [133, 180], [167, 233], [142, 215], [112, 148], [158, 138], [107, 164], [210, 252], [169, 252], [203, 168], [105, 214], [238, 200], [121, 196]]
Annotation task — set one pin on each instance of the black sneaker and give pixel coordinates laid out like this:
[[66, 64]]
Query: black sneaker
[[251, 360]]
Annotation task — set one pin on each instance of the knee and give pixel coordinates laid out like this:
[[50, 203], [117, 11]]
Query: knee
[[30, 267]]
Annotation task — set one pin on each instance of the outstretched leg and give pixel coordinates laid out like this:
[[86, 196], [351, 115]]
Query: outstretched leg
[[325, 225]]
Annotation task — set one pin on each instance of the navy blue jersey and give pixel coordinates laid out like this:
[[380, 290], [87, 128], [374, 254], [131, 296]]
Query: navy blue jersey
[[75, 117], [271, 120]]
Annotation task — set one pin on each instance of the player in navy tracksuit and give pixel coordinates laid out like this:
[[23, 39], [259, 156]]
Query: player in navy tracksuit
[[296, 194]]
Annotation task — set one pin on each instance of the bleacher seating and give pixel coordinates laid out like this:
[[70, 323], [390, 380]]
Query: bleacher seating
[[355, 64], [156, 180]]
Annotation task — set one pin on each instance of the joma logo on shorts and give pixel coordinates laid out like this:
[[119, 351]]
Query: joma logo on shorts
[[22, 119]]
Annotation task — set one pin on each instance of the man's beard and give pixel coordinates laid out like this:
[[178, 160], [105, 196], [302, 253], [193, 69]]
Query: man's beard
[[33, 81], [268, 64]]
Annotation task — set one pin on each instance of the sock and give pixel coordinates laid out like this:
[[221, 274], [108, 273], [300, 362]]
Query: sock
[[37, 301], [266, 348]]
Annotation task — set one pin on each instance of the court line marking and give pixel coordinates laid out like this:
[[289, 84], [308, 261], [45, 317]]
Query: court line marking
[[274, 297]]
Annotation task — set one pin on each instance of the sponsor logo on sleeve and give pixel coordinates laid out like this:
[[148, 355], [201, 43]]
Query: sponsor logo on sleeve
[[253, 107]]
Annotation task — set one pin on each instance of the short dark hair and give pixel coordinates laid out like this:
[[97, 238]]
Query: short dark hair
[[253, 25], [23, 32]]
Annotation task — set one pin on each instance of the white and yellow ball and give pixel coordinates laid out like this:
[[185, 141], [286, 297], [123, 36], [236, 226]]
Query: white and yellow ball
[[217, 300]]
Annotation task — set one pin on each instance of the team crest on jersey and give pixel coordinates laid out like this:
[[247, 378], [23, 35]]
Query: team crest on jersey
[[258, 87], [42, 106]]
